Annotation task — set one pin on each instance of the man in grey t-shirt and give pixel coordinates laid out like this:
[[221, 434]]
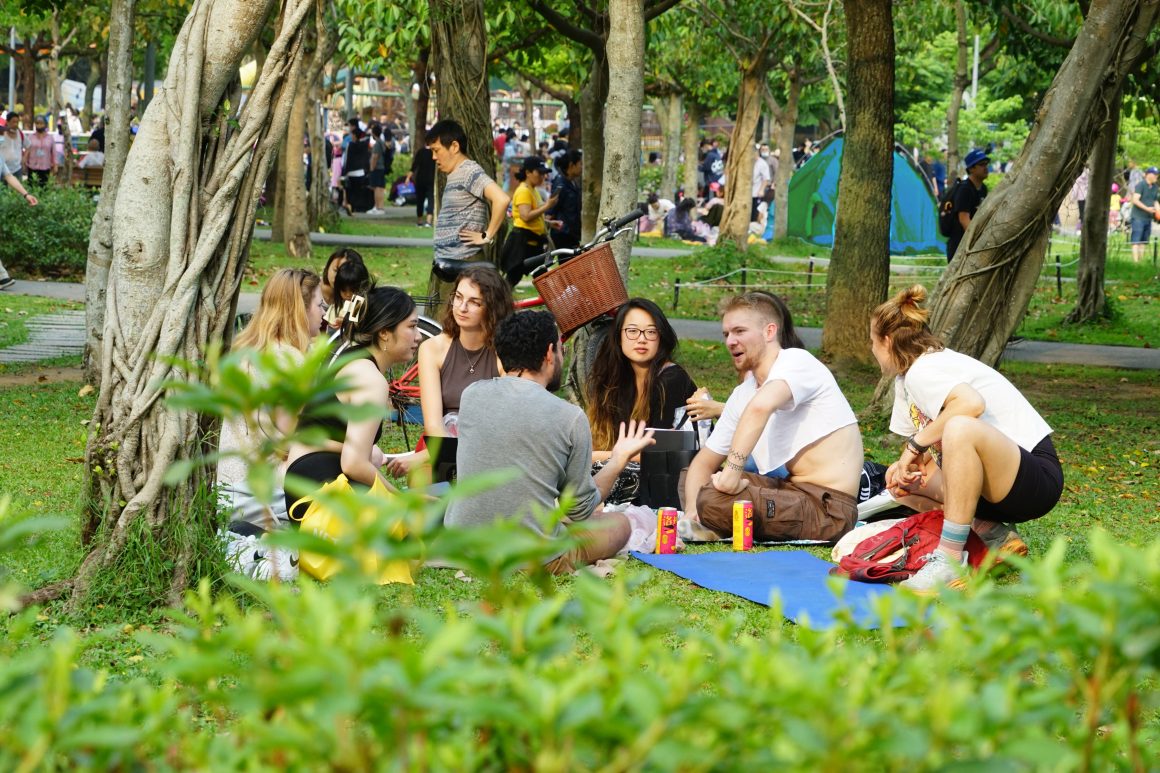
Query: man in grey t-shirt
[[515, 422], [473, 207]]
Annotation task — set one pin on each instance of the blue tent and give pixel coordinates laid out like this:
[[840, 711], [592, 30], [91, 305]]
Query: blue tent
[[813, 203]]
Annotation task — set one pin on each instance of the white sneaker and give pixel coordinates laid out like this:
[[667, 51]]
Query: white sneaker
[[937, 572], [376, 211], [255, 559]]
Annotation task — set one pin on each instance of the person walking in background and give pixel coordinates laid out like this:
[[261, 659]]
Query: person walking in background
[[422, 176], [1079, 192], [761, 180], [5, 280], [12, 144], [378, 172], [1144, 211], [968, 197], [40, 153]]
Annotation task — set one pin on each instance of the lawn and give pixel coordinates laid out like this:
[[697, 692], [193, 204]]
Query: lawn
[[15, 309], [1107, 425]]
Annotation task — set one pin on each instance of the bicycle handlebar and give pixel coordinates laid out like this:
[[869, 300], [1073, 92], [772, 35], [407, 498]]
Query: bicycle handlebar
[[611, 230]]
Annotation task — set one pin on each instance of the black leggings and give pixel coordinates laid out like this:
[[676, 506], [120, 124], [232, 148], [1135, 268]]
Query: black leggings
[[319, 466], [424, 199]]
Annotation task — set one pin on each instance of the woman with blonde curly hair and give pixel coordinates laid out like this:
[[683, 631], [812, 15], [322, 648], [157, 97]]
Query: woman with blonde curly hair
[[975, 447]]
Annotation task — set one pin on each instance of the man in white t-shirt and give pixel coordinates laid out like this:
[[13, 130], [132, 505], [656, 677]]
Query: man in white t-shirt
[[789, 414]]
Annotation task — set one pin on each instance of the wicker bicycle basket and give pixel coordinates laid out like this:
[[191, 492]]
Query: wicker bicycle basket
[[582, 289]]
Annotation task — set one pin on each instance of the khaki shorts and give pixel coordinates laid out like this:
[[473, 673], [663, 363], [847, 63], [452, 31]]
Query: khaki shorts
[[610, 533], [782, 510]]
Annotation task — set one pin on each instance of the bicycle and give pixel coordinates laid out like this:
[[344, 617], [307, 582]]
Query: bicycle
[[589, 298]]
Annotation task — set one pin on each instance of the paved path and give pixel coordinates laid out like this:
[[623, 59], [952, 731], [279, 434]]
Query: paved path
[[67, 329], [347, 240]]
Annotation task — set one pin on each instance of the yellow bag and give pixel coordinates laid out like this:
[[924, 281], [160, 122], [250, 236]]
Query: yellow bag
[[323, 522]]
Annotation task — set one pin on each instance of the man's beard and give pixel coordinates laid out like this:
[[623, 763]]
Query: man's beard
[[557, 376]]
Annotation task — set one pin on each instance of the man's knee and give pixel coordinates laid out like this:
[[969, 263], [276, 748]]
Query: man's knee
[[960, 432]]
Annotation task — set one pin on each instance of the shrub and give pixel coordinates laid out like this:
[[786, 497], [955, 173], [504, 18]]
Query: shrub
[[50, 239], [1056, 672]]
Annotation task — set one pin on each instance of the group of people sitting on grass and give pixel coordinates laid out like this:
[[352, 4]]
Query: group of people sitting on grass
[[786, 439]]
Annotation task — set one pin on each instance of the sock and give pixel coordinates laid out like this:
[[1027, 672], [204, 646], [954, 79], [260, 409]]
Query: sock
[[954, 538]]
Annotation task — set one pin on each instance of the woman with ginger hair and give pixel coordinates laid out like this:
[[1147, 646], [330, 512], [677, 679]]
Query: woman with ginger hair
[[975, 447]]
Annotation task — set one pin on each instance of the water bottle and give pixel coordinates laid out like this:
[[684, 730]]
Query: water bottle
[[704, 426]]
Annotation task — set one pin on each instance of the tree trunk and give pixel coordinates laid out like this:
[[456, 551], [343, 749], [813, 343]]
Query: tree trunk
[[959, 85], [183, 218], [276, 195], [985, 291], [592, 99], [296, 224], [786, 116], [625, 49], [26, 69], [116, 98], [529, 105], [860, 263], [670, 114], [459, 59], [56, 99], [326, 41], [690, 139], [1091, 304], [739, 167], [419, 129], [96, 75]]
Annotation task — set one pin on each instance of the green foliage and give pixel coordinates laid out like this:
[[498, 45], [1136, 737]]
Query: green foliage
[[1139, 137], [50, 239], [719, 260]]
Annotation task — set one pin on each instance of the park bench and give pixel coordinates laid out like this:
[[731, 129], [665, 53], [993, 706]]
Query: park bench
[[89, 178]]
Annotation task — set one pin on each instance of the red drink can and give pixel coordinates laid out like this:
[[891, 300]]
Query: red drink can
[[743, 525], [667, 530]]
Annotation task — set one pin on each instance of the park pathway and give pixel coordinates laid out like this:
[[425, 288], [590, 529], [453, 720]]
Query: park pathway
[[63, 334]]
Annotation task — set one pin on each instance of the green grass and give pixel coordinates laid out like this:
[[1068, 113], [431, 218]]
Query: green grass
[[15, 310], [1107, 431]]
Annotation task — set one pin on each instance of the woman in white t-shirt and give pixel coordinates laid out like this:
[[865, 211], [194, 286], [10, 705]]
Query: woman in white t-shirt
[[975, 447]]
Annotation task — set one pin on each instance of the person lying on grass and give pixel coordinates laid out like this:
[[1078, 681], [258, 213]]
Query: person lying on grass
[[975, 447]]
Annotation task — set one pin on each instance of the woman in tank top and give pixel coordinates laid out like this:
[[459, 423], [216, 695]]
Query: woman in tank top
[[461, 355], [386, 334]]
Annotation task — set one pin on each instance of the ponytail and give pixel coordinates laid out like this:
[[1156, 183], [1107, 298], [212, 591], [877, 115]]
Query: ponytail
[[903, 320]]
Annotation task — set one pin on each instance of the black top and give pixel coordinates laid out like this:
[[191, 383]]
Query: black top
[[967, 199], [423, 168], [334, 427], [567, 206], [669, 392], [358, 155]]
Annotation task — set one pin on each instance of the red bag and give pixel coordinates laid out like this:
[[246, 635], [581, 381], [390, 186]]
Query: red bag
[[918, 535]]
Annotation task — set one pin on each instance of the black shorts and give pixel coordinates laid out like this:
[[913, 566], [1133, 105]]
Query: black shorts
[[378, 178], [1036, 490], [319, 466]]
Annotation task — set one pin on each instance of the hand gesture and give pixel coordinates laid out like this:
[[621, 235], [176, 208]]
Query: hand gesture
[[631, 441], [551, 202], [475, 238]]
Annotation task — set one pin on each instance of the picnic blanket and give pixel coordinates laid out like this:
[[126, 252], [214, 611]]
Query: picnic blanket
[[798, 577]]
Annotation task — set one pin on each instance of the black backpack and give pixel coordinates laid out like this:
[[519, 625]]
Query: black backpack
[[946, 208]]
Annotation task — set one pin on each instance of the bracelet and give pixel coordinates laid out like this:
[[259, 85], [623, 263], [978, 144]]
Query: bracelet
[[915, 446], [740, 457], [734, 466]]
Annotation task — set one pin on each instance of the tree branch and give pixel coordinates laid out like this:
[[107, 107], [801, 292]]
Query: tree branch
[[1026, 28], [542, 85], [503, 51], [655, 8], [586, 38]]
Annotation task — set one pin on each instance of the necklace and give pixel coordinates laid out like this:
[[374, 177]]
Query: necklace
[[471, 364]]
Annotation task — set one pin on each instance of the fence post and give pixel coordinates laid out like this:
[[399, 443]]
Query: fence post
[[744, 280], [1058, 279], [810, 273], [676, 293]]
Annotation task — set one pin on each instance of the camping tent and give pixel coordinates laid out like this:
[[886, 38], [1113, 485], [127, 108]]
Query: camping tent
[[813, 202]]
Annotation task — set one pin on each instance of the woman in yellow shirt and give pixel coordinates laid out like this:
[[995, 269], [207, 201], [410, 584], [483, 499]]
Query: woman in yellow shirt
[[529, 235]]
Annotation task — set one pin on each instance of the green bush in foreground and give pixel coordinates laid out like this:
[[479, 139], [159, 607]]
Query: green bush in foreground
[[50, 239], [1056, 672]]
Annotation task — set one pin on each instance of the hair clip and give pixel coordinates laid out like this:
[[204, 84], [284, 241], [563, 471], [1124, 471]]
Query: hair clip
[[352, 309]]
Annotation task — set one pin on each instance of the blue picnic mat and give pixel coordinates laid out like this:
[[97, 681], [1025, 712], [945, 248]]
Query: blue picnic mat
[[799, 577]]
